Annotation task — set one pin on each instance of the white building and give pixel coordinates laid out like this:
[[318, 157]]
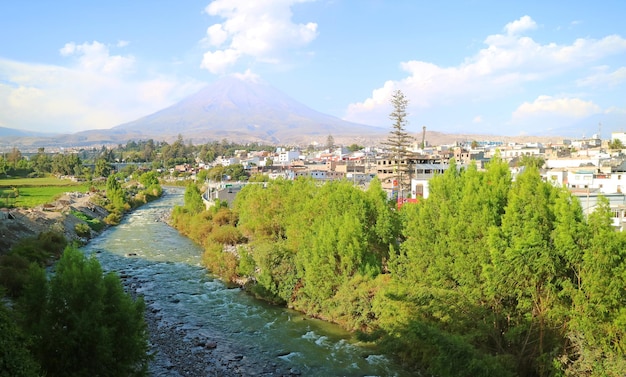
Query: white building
[[621, 136], [423, 174], [569, 163], [226, 161], [286, 157]]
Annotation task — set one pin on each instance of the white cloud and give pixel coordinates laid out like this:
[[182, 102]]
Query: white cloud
[[95, 57], [604, 77], [520, 26], [262, 30], [562, 107], [216, 35], [248, 75], [218, 61], [96, 92], [509, 65]]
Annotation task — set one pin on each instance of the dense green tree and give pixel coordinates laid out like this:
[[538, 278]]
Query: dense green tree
[[102, 168], [66, 164], [83, 321], [598, 326], [116, 195], [3, 165], [616, 144], [531, 161], [193, 199], [41, 162], [528, 271], [149, 178], [484, 277], [15, 358], [355, 147]]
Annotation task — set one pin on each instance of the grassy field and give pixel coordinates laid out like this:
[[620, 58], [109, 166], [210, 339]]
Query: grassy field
[[32, 192]]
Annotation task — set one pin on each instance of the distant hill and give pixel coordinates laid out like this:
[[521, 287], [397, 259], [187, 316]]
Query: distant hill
[[244, 110], [12, 132]]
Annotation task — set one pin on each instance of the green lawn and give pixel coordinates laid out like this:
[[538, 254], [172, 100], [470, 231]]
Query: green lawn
[[36, 191]]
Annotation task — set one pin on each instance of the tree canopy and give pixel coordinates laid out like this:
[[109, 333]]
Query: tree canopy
[[486, 277]]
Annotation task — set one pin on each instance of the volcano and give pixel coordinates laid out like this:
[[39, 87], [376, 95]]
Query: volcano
[[244, 110]]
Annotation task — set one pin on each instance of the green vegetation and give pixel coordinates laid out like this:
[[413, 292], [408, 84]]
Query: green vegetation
[[92, 223], [78, 322], [32, 192], [616, 144], [15, 358], [41, 251], [84, 322], [122, 198], [399, 140], [486, 277]]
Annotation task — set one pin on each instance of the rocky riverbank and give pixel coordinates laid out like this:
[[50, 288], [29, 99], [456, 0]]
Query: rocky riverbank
[[181, 350]]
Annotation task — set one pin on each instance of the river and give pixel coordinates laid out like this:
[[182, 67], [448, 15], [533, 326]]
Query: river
[[234, 333]]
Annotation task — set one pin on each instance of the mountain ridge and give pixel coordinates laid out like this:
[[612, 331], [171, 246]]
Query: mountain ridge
[[243, 111], [256, 111]]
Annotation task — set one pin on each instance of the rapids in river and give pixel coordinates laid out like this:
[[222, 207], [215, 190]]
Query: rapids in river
[[165, 268]]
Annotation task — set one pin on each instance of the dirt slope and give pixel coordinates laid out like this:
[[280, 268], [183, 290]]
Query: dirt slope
[[17, 223]]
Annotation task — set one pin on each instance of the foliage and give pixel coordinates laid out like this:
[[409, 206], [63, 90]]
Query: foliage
[[103, 168], [484, 277], [93, 223], [83, 321], [531, 161], [15, 358], [234, 172], [66, 164], [82, 230], [193, 199], [399, 140], [304, 243], [12, 273], [149, 178], [616, 144], [355, 147], [39, 250]]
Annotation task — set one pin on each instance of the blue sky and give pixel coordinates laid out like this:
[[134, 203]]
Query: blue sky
[[529, 68]]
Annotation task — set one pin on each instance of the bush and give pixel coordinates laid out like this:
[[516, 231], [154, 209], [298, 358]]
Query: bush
[[15, 359], [226, 234], [84, 322], [220, 263], [93, 223], [13, 269], [82, 230], [113, 218], [41, 249]]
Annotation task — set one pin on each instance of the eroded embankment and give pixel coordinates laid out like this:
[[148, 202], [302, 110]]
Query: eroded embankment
[[19, 223]]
